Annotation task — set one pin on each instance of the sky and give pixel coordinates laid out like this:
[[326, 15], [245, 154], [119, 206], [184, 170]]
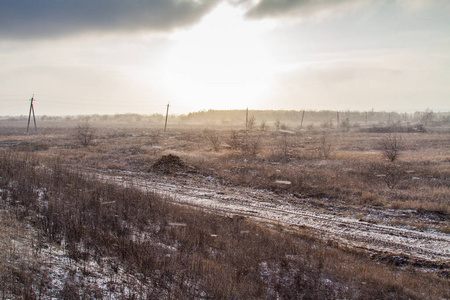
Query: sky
[[79, 57]]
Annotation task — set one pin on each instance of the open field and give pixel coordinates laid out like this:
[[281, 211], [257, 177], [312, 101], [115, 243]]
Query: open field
[[347, 219]]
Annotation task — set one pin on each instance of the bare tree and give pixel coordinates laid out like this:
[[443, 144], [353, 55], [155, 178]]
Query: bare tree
[[84, 133], [390, 147]]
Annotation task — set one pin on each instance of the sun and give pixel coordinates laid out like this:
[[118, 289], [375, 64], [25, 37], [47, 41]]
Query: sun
[[221, 63]]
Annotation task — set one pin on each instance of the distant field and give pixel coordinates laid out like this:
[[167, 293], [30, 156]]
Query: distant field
[[346, 170]]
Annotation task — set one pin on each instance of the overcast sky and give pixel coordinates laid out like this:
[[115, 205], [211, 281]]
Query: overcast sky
[[114, 56]]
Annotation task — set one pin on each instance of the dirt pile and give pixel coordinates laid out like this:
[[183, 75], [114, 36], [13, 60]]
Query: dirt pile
[[170, 164]]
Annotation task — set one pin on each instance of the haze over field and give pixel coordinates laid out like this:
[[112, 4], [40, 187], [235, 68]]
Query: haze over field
[[87, 57]]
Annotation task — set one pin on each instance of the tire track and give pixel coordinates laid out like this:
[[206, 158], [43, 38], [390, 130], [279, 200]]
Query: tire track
[[265, 206]]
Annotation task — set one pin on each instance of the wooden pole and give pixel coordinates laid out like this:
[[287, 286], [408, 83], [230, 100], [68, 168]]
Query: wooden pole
[[246, 120], [34, 117], [29, 115], [167, 114], [303, 115]]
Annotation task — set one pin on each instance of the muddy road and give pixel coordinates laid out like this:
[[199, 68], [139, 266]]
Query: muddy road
[[401, 244]]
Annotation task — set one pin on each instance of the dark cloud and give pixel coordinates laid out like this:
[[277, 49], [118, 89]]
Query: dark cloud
[[297, 8], [25, 19]]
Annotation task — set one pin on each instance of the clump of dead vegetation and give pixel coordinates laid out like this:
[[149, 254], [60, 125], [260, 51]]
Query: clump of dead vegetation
[[153, 249], [171, 164], [84, 134]]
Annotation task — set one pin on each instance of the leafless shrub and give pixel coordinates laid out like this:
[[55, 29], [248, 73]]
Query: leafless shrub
[[214, 139], [391, 174], [390, 147], [284, 146], [235, 140], [84, 134], [247, 144], [251, 145], [263, 127], [324, 147], [251, 123]]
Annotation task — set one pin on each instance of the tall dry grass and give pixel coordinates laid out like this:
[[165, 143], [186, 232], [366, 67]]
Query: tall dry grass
[[183, 252]]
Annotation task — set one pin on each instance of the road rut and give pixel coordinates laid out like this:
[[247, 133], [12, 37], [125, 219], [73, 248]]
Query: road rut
[[423, 247]]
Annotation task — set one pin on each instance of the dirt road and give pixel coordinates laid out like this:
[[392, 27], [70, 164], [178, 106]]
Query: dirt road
[[424, 248]]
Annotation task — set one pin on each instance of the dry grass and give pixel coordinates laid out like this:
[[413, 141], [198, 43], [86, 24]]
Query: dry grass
[[18, 262], [223, 257], [227, 257], [351, 166]]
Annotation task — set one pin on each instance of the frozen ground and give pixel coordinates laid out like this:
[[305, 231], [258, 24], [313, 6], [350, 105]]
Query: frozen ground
[[399, 243]]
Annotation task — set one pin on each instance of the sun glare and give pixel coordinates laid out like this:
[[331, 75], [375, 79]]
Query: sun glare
[[221, 63]]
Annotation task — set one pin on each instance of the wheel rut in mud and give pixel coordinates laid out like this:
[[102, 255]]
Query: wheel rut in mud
[[419, 247]]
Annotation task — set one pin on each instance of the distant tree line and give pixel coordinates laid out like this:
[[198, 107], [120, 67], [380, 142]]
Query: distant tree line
[[427, 117], [311, 116]]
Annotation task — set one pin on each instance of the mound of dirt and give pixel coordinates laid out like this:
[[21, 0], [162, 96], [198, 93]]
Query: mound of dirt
[[169, 164]]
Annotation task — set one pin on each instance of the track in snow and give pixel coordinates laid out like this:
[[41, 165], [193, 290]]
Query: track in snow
[[205, 193]]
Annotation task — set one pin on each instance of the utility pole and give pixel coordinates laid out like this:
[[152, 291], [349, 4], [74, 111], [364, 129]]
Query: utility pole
[[301, 123], [337, 118], [29, 115], [246, 120], [167, 114]]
